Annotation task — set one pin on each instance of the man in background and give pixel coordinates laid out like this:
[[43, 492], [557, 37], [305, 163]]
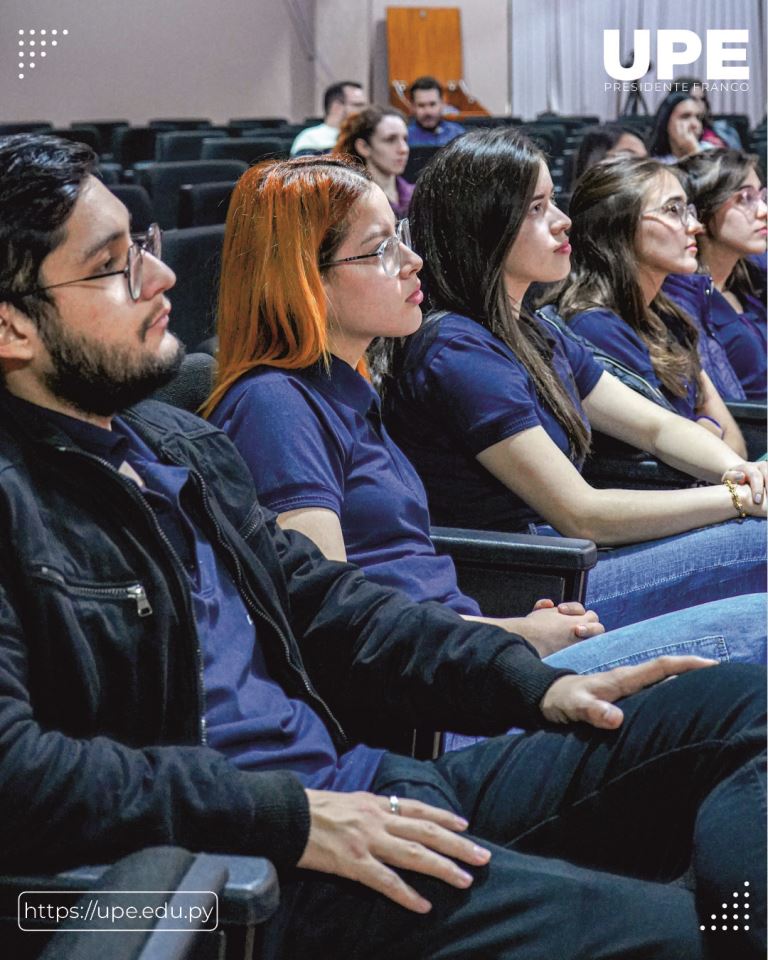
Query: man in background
[[339, 101], [428, 128]]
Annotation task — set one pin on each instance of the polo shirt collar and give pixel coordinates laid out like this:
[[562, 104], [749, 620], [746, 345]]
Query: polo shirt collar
[[346, 385]]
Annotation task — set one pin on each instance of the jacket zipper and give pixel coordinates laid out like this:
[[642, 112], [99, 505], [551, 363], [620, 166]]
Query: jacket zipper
[[130, 488], [133, 591]]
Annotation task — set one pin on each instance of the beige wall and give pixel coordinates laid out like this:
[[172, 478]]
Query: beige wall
[[138, 59]]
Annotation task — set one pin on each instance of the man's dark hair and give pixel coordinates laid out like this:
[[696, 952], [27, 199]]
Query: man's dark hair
[[335, 93], [425, 83], [40, 181]]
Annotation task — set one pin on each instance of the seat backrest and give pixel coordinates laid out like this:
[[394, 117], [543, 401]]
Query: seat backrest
[[105, 128], [192, 385], [266, 123], [418, 158], [137, 201], [180, 123], [202, 204], [183, 144], [195, 257], [131, 145], [28, 126], [248, 149], [163, 180], [82, 134]]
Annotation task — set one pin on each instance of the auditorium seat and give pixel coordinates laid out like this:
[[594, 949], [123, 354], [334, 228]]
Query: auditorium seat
[[163, 180], [194, 254], [244, 891], [202, 204], [267, 123], [182, 123], [105, 128], [27, 126], [418, 158], [131, 145], [81, 134], [183, 144], [138, 202], [248, 149]]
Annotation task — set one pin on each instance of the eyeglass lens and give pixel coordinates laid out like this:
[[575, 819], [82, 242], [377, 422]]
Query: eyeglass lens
[[391, 259], [149, 242]]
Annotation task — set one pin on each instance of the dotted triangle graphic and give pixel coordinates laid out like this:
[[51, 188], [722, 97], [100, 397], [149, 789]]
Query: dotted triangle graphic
[[34, 45]]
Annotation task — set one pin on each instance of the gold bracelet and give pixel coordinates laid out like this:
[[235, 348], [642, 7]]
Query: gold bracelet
[[735, 497]]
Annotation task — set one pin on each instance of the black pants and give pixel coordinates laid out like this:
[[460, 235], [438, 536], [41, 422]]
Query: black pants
[[589, 829]]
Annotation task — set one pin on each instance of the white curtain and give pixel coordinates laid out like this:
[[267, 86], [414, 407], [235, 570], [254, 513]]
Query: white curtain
[[556, 52]]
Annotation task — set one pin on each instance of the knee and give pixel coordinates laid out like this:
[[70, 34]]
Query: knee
[[731, 695]]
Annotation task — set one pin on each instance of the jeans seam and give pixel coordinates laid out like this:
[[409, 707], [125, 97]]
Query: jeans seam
[[643, 588]]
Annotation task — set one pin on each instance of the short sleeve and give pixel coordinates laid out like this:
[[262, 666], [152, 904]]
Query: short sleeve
[[586, 370], [290, 443], [485, 395], [610, 334]]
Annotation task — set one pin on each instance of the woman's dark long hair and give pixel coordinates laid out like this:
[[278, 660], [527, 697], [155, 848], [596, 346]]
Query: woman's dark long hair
[[606, 209], [596, 142], [712, 178], [660, 145], [469, 204]]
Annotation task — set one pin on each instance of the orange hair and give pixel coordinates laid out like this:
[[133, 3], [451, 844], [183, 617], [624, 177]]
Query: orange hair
[[285, 218]]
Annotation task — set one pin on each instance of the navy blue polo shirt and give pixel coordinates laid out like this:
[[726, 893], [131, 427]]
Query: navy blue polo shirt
[[462, 390], [249, 718], [314, 438], [610, 334], [741, 335], [443, 133]]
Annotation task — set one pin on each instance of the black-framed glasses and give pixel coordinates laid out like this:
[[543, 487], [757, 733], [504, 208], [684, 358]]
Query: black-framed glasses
[[388, 251], [151, 241], [685, 212]]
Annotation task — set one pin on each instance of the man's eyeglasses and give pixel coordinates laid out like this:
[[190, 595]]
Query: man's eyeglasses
[[149, 242], [388, 251], [684, 212], [749, 198]]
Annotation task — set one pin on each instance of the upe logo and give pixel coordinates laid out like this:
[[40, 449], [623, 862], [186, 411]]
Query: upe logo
[[677, 47]]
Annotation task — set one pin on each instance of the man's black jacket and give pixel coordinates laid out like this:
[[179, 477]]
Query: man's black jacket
[[102, 736]]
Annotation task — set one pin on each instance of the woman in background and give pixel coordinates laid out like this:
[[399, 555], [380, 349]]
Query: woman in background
[[677, 127], [725, 187], [494, 406], [378, 137], [606, 141], [632, 227]]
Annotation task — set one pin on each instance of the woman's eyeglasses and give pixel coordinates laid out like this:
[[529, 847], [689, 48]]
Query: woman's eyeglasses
[[149, 242], [749, 198], [389, 251], [684, 212]]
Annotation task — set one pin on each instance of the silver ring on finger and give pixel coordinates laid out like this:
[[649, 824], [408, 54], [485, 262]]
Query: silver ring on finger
[[394, 805]]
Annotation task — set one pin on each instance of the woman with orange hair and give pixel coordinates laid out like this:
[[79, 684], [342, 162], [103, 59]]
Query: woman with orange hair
[[314, 267]]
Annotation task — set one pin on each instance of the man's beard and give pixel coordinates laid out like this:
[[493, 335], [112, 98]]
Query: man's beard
[[102, 380]]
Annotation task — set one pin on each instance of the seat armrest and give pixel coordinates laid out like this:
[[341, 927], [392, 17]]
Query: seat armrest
[[751, 418], [250, 895], [507, 572]]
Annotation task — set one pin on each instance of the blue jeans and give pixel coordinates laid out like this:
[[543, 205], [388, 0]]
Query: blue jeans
[[587, 829], [726, 630], [644, 580]]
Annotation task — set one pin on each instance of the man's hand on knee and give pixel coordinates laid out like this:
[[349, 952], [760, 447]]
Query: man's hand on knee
[[356, 835], [590, 698]]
